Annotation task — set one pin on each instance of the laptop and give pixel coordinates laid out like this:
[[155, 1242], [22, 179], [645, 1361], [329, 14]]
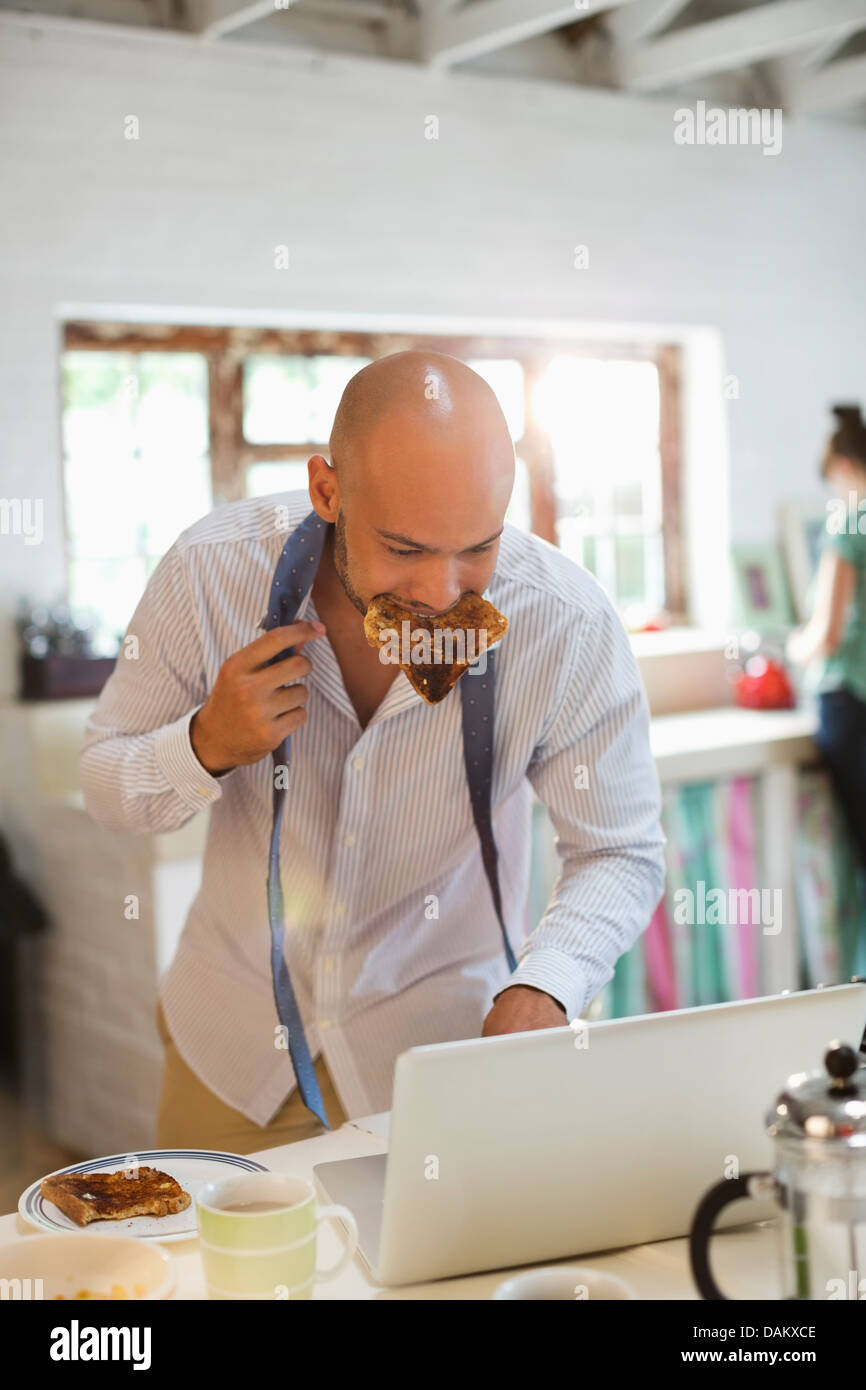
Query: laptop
[[506, 1151]]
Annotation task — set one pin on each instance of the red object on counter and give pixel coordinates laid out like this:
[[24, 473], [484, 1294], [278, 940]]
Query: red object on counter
[[764, 684]]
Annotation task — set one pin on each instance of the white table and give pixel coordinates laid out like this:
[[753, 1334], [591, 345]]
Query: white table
[[744, 1260]]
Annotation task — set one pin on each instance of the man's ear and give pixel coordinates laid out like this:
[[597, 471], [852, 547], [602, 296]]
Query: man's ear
[[324, 488]]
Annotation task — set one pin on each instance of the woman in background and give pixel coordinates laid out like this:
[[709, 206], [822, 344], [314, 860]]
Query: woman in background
[[835, 635]]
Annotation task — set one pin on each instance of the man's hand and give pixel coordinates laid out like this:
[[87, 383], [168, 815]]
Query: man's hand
[[249, 712], [520, 1009]]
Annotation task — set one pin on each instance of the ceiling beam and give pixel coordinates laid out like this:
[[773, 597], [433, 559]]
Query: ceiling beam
[[94, 11], [213, 18], [750, 36], [487, 25], [642, 19], [838, 84], [822, 52], [305, 26], [355, 11], [788, 73], [401, 37]]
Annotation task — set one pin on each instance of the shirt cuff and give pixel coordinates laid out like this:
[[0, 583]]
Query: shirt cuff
[[556, 974], [181, 768]]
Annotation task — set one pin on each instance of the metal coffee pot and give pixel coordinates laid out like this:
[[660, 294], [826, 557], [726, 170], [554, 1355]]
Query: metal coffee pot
[[818, 1125]]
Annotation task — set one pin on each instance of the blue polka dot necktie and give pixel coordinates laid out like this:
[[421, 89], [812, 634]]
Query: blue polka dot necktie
[[293, 578]]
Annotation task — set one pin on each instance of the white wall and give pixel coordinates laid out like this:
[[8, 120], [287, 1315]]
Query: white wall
[[244, 147]]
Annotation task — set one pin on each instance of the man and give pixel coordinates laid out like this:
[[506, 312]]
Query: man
[[391, 934]]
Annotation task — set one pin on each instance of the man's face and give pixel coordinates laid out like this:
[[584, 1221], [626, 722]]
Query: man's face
[[427, 577], [423, 506]]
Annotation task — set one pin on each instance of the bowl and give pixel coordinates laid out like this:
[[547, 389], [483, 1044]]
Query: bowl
[[78, 1266]]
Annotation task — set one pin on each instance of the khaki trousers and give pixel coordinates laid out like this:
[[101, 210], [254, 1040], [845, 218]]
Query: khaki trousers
[[190, 1116]]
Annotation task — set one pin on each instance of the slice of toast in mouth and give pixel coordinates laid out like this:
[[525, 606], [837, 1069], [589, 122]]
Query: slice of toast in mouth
[[85, 1197], [472, 616]]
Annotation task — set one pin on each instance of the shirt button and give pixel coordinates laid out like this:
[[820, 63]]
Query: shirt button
[[202, 791], [324, 1023], [339, 909], [328, 964], [358, 764], [348, 841]]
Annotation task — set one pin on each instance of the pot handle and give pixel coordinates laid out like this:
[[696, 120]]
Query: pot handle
[[721, 1195]]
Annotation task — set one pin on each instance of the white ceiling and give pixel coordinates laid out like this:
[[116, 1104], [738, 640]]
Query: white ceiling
[[807, 56]]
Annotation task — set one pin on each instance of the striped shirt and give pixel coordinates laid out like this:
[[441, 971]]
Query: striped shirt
[[391, 935]]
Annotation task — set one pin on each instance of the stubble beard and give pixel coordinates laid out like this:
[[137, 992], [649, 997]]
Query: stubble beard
[[341, 565]]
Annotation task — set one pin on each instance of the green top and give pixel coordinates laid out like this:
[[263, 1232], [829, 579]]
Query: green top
[[847, 665]]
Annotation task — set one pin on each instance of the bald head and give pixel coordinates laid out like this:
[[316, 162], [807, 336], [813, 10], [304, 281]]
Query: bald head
[[421, 395], [422, 468]]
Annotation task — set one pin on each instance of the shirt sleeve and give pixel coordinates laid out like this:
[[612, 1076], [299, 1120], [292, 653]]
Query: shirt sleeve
[[595, 773], [847, 544], [138, 769]]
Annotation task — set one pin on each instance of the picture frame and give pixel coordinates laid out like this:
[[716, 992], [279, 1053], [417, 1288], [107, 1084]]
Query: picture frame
[[760, 596], [802, 525]]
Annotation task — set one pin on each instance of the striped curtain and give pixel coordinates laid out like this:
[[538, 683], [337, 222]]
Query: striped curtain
[[686, 957]]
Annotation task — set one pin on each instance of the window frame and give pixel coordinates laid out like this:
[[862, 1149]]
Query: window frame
[[227, 348]]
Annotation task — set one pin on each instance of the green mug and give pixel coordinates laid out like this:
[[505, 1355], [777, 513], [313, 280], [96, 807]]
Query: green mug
[[257, 1235]]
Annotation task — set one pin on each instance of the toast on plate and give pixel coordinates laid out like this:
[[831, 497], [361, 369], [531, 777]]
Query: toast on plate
[[85, 1197]]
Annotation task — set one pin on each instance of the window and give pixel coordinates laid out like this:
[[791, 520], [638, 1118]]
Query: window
[[602, 417], [160, 424], [294, 399], [136, 471]]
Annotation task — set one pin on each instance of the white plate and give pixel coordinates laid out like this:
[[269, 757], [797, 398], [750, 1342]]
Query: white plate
[[192, 1168]]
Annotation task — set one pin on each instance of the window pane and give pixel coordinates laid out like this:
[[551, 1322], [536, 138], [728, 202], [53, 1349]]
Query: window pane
[[583, 506], [654, 570], [136, 471], [287, 476], [574, 542], [101, 518], [518, 509], [293, 400], [135, 428], [628, 499], [630, 584], [99, 391], [505, 376], [602, 416], [172, 493], [172, 412], [110, 589], [603, 419]]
